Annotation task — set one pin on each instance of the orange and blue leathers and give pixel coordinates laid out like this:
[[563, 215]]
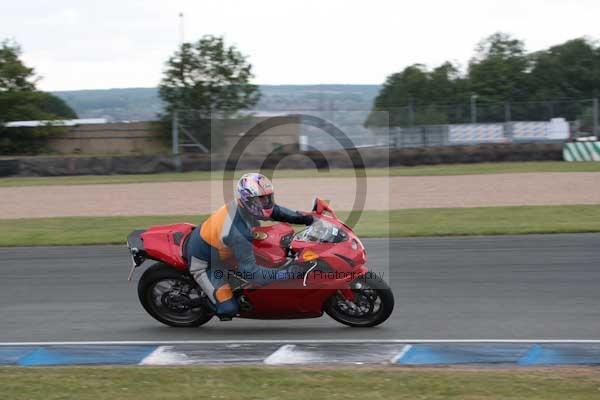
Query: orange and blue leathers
[[225, 238]]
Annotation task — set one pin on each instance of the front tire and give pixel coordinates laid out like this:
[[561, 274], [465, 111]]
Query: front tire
[[164, 292], [373, 303]]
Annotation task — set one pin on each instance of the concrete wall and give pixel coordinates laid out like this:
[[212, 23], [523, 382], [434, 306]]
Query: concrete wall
[[283, 138], [145, 138], [117, 138]]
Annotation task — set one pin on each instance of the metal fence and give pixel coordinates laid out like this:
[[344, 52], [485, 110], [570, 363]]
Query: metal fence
[[473, 123], [421, 125], [585, 111]]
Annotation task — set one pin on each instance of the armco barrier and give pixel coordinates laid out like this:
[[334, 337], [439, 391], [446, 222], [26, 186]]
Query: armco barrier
[[9, 167], [372, 157], [581, 151], [501, 152]]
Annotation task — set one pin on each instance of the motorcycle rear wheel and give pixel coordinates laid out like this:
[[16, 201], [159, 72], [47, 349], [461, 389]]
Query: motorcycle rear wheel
[[373, 303], [164, 291]]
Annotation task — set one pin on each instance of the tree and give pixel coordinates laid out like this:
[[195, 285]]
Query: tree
[[410, 96], [14, 74], [541, 85], [55, 106], [499, 70], [568, 70], [208, 76], [19, 100], [404, 88], [446, 84], [202, 79]]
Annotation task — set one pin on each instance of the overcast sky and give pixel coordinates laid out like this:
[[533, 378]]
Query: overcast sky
[[85, 44]]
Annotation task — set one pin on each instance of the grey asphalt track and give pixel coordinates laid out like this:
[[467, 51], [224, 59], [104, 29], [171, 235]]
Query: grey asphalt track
[[505, 287]]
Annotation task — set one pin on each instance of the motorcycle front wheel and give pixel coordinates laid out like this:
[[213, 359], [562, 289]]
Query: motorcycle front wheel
[[372, 304], [165, 294]]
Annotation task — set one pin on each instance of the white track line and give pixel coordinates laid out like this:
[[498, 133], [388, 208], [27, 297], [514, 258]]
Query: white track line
[[299, 341]]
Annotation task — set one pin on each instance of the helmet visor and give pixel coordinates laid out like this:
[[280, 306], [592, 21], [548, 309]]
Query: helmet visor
[[264, 202]]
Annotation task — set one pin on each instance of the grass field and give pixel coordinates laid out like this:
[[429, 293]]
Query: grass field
[[430, 170], [254, 382], [396, 223]]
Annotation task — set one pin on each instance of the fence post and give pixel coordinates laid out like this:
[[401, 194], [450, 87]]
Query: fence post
[[595, 116], [473, 108], [396, 137], [175, 141], [551, 109], [509, 131], [507, 112], [411, 114], [401, 130], [446, 135]]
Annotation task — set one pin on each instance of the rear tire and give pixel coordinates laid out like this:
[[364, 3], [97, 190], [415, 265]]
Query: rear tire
[[163, 290], [373, 303]]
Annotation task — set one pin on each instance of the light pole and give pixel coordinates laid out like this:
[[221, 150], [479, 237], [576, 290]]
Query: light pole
[[474, 108], [175, 142], [595, 117], [181, 29]]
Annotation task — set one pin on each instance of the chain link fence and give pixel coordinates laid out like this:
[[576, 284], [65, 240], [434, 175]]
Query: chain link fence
[[478, 122], [408, 126]]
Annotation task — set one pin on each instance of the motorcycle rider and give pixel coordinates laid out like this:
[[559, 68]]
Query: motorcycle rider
[[227, 233]]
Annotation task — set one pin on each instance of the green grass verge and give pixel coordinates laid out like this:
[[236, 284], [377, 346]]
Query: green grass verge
[[396, 223], [490, 221], [255, 382], [428, 170]]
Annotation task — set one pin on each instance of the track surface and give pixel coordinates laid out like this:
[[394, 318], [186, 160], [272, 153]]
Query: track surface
[[518, 287]]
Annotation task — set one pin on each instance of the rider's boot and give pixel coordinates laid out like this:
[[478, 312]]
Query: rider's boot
[[222, 297], [227, 306]]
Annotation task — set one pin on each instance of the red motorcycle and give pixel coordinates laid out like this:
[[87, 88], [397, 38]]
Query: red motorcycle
[[334, 277]]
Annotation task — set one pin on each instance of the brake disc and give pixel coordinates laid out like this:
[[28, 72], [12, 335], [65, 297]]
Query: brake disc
[[176, 302]]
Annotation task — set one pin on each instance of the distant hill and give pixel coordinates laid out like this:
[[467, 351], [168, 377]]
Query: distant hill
[[133, 104], [143, 104]]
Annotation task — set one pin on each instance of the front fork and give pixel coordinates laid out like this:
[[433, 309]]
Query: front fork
[[354, 285]]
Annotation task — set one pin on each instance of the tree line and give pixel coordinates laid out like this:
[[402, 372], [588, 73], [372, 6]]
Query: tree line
[[210, 76], [502, 80]]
